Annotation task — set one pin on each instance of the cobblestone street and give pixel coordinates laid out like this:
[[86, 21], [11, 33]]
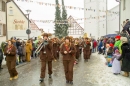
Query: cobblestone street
[[91, 73]]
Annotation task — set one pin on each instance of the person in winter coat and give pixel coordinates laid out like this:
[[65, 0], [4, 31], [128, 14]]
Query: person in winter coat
[[125, 57], [20, 53], [94, 46], [100, 46], [1, 58], [117, 43]]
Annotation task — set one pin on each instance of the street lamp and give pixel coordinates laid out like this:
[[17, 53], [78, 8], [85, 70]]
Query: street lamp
[[28, 12]]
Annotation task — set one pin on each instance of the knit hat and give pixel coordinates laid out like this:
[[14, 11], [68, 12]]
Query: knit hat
[[118, 37]]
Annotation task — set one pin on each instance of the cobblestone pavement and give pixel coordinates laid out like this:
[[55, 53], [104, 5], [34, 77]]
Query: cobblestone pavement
[[91, 73]]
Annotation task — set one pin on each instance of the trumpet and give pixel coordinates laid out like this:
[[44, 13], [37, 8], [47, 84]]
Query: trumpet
[[45, 42]]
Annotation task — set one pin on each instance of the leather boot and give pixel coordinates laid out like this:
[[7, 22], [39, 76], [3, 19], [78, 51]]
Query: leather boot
[[125, 74]]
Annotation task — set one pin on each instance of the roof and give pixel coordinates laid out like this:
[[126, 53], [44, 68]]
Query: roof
[[70, 17], [19, 9], [114, 7], [33, 25]]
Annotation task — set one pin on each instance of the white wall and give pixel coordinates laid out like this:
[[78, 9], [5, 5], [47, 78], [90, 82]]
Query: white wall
[[94, 26], [125, 14], [22, 34], [113, 20]]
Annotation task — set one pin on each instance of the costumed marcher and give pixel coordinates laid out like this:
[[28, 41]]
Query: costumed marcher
[[68, 51], [90, 40], [55, 49], [116, 66], [86, 48], [77, 48], [10, 53], [28, 50], [46, 56], [125, 57]]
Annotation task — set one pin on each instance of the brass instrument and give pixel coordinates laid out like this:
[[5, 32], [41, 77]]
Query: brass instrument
[[43, 44]]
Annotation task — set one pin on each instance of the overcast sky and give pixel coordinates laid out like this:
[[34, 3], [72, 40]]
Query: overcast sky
[[47, 12]]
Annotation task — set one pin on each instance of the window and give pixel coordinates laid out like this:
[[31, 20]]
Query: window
[[21, 27], [16, 27], [90, 0], [103, 25], [3, 6], [10, 12], [124, 3]]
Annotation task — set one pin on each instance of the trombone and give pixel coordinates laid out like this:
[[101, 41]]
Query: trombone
[[39, 48], [45, 42]]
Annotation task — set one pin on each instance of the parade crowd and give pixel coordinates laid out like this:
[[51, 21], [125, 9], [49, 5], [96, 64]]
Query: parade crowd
[[116, 51]]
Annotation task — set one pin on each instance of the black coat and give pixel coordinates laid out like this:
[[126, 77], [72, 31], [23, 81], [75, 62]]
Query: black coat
[[1, 54], [127, 25], [125, 57]]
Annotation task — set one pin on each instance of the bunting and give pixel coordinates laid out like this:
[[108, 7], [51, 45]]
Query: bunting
[[67, 7]]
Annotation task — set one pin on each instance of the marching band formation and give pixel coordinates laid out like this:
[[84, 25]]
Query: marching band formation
[[48, 50]]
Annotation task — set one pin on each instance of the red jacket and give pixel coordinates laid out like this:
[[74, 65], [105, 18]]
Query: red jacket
[[94, 44]]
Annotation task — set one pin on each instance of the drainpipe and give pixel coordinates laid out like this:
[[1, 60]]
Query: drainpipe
[[119, 16], [106, 17], [6, 23]]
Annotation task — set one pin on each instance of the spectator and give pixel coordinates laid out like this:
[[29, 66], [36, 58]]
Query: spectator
[[1, 58]]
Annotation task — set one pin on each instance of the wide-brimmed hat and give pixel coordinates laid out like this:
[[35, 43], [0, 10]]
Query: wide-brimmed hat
[[44, 34]]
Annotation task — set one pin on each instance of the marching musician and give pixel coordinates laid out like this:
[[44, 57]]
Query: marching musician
[[56, 49], [77, 45], [68, 51], [46, 56], [86, 48]]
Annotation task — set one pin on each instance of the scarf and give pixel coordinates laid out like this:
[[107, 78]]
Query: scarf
[[67, 47], [9, 48]]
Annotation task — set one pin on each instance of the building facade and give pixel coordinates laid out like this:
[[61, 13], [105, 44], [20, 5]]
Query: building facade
[[113, 20], [74, 29], [17, 22], [124, 11], [95, 18], [2, 20]]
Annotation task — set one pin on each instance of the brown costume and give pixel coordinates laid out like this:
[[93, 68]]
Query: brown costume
[[77, 51], [46, 56], [56, 50], [86, 50], [68, 60], [11, 60], [28, 51]]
